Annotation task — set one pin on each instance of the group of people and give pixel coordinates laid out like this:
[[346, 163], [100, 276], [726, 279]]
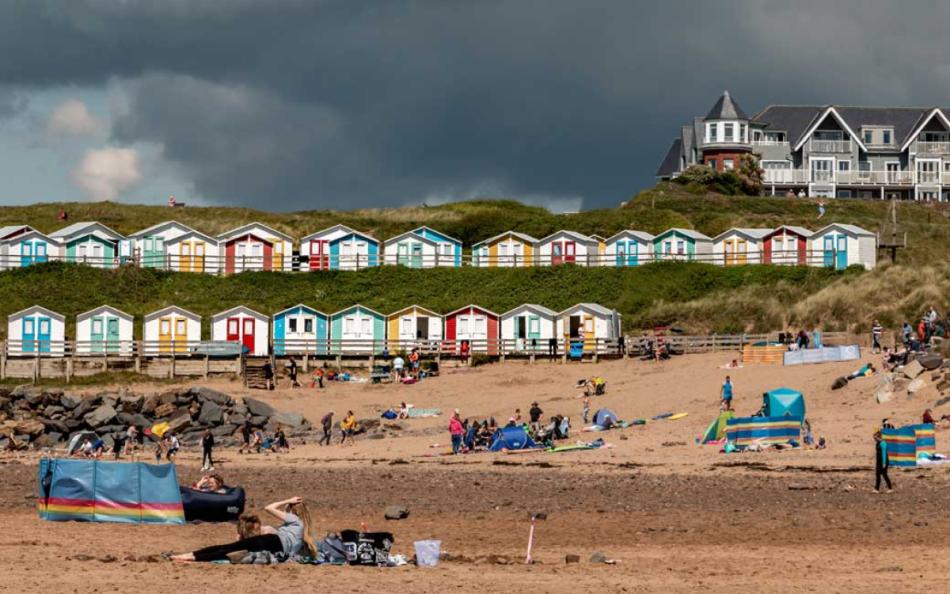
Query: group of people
[[255, 439], [801, 340], [930, 329], [348, 428]]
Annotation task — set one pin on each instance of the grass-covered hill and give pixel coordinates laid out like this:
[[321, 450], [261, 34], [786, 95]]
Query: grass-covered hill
[[698, 298]]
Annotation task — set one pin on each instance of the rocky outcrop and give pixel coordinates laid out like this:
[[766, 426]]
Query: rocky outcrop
[[47, 417]]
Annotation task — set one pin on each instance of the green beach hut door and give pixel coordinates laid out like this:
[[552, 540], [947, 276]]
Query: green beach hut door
[[842, 255], [96, 334], [829, 251], [534, 331], [28, 335], [402, 254], [153, 252], [112, 335], [416, 255]]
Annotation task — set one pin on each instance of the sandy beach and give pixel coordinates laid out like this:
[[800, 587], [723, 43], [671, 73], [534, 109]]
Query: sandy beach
[[675, 516]]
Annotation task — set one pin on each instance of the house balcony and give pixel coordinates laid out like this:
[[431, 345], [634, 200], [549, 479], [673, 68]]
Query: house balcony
[[829, 146], [875, 178], [933, 148], [785, 176], [770, 143]]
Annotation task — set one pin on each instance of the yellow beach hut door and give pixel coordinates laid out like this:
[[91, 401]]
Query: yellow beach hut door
[[736, 251], [192, 256], [590, 335], [172, 331], [278, 255]]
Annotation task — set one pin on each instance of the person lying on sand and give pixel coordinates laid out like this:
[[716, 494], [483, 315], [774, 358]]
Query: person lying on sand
[[292, 538], [210, 483]]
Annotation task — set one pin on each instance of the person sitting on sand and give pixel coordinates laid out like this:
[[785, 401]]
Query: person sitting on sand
[[403, 411], [257, 440], [292, 538], [280, 440], [348, 427], [210, 483], [928, 417]]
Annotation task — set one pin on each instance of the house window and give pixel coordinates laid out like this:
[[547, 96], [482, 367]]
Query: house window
[[844, 166], [534, 326], [756, 136], [946, 166], [728, 164], [349, 325], [292, 324], [887, 137], [868, 137], [711, 163], [742, 133], [308, 326], [712, 132], [680, 247], [727, 132]]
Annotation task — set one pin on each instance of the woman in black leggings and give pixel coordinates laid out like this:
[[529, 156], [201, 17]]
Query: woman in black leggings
[[293, 536]]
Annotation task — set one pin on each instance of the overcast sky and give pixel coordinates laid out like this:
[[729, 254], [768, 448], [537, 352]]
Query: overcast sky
[[293, 104]]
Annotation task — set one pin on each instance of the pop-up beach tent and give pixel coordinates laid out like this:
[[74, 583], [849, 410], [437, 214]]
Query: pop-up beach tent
[[511, 438], [601, 416], [97, 491], [717, 429], [783, 402]]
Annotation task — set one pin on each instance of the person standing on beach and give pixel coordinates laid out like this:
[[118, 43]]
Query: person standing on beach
[[881, 463], [207, 445], [292, 372], [725, 394], [246, 430], [456, 430], [327, 424], [585, 411], [876, 331]]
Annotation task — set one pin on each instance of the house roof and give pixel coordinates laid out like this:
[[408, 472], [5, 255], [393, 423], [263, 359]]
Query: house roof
[[850, 229], [726, 109], [192, 233], [301, 305], [37, 309], [638, 235], [238, 309], [572, 234], [169, 310], [796, 120], [416, 307], [75, 229], [532, 306], [104, 309], [471, 306], [31, 233], [411, 235], [355, 306], [795, 230], [748, 233], [243, 229], [522, 236], [342, 228], [159, 227], [594, 307], [436, 232], [684, 232], [671, 162], [8, 230]]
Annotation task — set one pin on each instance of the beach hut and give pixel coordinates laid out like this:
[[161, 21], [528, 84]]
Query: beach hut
[[475, 325], [410, 250], [340, 248], [839, 245], [149, 246], [93, 244], [449, 249], [509, 249], [528, 327], [36, 331], [786, 245], [256, 247], [357, 329], [601, 259], [242, 325], [104, 329], [567, 247], [628, 248], [413, 326], [28, 247], [171, 330], [682, 244], [194, 251], [739, 246], [595, 325], [300, 330]]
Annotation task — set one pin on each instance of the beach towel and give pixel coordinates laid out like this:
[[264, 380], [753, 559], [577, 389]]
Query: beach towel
[[421, 413]]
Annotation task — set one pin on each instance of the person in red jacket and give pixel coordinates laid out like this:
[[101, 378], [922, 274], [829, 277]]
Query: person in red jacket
[[456, 430]]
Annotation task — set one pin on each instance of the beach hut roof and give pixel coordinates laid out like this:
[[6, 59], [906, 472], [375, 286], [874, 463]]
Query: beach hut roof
[[236, 310], [471, 306], [642, 236], [356, 306], [849, 229], [416, 307], [83, 228], [245, 229], [104, 309], [748, 233], [301, 306], [171, 309], [530, 306], [160, 227], [37, 309], [522, 236]]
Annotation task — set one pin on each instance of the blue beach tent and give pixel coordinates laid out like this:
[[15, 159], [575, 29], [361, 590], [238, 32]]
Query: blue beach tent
[[511, 438]]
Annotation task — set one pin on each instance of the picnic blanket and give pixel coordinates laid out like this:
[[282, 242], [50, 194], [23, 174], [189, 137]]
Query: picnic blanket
[[422, 413]]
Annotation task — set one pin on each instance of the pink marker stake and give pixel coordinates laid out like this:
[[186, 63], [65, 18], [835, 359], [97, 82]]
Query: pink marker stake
[[528, 560]]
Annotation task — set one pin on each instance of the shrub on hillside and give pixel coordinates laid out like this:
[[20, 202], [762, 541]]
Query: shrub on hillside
[[745, 180]]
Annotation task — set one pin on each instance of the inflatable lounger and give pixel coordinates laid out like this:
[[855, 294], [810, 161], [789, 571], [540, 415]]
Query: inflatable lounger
[[213, 507]]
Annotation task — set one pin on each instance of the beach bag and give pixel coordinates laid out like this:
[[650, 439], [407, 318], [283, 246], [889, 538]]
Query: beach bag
[[839, 383], [367, 548]]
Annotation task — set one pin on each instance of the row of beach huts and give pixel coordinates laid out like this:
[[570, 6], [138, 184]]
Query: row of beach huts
[[303, 330], [255, 246]]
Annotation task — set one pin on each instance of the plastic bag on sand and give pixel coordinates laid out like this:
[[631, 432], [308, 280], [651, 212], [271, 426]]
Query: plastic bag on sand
[[428, 552]]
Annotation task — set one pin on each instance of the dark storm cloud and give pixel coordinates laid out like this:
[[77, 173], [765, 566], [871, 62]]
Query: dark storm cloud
[[292, 104]]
